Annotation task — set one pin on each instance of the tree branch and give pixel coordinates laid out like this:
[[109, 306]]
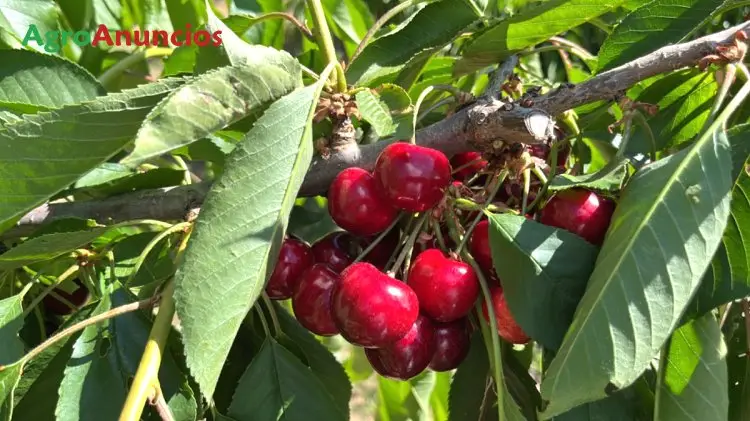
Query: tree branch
[[474, 127]]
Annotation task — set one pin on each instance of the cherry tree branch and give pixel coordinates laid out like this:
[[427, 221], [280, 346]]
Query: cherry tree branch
[[473, 127]]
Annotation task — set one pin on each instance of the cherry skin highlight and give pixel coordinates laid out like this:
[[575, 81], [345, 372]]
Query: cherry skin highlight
[[446, 288], [370, 308], [408, 356], [312, 300], [337, 250], [413, 177], [581, 212], [357, 205], [507, 327], [451, 345], [473, 161], [294, 257]]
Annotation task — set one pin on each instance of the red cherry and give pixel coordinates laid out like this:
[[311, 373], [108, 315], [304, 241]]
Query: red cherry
[[382, 251], [294, 257], [507, 327], [542, 151], [372, 309], [78, 298], [581, 212], [337, 250], [413, 177], [311, 301], [451, 345], [446, 288], [479, 245], [408, 356], [357, 205], [459, 160]]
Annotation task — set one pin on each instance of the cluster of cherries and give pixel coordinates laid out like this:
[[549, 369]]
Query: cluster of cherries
[[423, 321]]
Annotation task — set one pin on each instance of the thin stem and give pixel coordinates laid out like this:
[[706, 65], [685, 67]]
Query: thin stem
[[499, 182], [576, 48], [263, 321], [650, 133], [729, 73], [161, 407], [435, 106], [417, 105], [108, 77], [725, 314], [526, 188], [69, 272], [181, 162], [309, 72], [151, 244], [475, 8], [377, 240], [272, 312], [546, 48], [290, 18], [438, 233], [409, 242], [626, 135], [117, 311], [380, 23], [40, 323], [325, 41]]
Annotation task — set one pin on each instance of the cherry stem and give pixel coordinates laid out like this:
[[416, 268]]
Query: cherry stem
[[438, 233], [409, 242], [378, 239], [150, 246], [69, 272], [272, 313], [730, 71], [466, 165], [325, 42], [466, 204], [263, 321], [526, 187], [498, 183], [417, 105]]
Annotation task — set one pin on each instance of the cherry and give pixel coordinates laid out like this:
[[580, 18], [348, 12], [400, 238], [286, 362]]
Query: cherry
[[294, 257], [446, 288], [357, 205], [337, 250], [413, 177], [311, 301], [451, 345], [581, 212], [459, 160], [382, 251], [408, 356], [78, 298], [370, 308], [542, 151], [507, 327], [479, 245]]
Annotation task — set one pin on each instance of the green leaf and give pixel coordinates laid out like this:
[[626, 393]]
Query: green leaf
[[351, 20], [276, 386], [209, 103], [388, 109], [665, 229], [239, 232], [652, 26], [738, 366], [11, 347], [531, 26], [16, 16], [693, 376], [610, 178], [439, 397], [44, 153], [618, 407], [543, 271], [9, 376], [424, 33], [470, 385], [30, 82], [46, 247], [184, 12], [157, 266], [94, 185], [320, 360]]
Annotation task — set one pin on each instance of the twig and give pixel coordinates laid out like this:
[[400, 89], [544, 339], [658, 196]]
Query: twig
[[287, 16], [161, 406], [499, 76], [325, 42]]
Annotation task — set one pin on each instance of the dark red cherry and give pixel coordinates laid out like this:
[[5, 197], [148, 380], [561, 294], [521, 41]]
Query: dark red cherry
[[408, 356], [507, 327], [542, 151], [472, 163], [382, 251], [370, 308], [446, 288], [451, 345], [581, 212], [337, 250], [294, 257], [357, 205], [413, 177], [78, 298], [479, 245], [311, 301]]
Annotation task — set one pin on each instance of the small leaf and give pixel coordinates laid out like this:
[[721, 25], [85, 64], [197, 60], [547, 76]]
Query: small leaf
[[30, 82], [543, 271], [424, 33], [239, 231], [209, 103], [46, 152], [531, 26], [9, 376], [388, 109], [610, 178], [693, 383], [277, 384], [652, 26], [16, 16], [666, 227], [46, 247], [11, 347]]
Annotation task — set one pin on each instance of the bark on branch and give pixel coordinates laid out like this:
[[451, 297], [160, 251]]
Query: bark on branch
[[475, 126]]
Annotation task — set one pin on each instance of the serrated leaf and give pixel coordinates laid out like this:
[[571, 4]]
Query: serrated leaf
[[320, 360], [9, 376], [610, 178], [738, 366], [11, 347], [617, 407], [277, 385], [46, 247], [388, 109], [530, 26], [209, 103], [693, 376], [30, 82], [666, 226], [45, 152], [543, 271], [16, 16], [239, 232], [422, 34], [652, 26]]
